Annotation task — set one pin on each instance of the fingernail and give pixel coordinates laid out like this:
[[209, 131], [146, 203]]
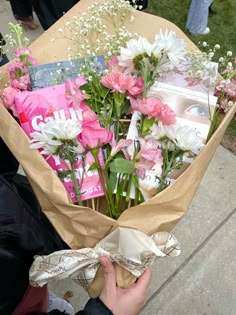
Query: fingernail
[[104, 260]]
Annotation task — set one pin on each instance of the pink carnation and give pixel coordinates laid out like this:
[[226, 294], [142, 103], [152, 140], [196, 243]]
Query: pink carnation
[[122, 83], [94, 137], [166, 115], [152, 107]]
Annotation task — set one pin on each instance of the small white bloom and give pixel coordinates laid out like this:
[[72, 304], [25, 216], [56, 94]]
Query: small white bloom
[[221, 59], [211, 54], [217, 46], [229, 53], [204, 44]]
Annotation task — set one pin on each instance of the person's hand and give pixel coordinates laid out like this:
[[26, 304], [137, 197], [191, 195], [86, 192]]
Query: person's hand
[[123, 301]]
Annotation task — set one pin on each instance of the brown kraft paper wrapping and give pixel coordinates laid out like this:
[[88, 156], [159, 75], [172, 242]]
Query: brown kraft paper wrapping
[[82, 227]]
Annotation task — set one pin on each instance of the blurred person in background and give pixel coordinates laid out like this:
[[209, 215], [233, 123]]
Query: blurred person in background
[[23, 13], [49, 11], [3, 57], [198, 17]]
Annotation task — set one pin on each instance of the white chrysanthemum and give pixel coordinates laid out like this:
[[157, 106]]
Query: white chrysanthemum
[[186, 139], [41, 140], [183, 137], [164, 135], [134, 48], [54, 133], [171, 47]]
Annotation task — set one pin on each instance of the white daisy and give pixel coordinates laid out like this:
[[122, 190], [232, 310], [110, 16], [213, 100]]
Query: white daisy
[[134, 48], [172, 49], [41, 140], [63, 128], [164, 135], [176, 135], [54, 134], [187, 139]]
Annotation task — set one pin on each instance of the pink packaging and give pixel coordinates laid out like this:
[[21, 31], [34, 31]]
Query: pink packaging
[[47, 104]]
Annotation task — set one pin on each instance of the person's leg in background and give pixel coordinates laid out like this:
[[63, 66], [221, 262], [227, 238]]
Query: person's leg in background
[[23, 12], [3, 57], [48, 12], [198, 17]]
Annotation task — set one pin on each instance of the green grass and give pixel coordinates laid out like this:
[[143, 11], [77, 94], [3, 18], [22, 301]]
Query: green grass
[[222, 25]]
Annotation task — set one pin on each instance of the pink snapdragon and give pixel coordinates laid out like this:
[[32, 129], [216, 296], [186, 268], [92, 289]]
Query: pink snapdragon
[[23, 51], [113, 65], [152, 107], [16, 70], [122, 83], [8, 95], [24, 55], [72, 90], [23, 83], [225, 90]]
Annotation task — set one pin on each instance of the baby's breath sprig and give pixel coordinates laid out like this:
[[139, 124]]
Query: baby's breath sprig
[[100, 29]]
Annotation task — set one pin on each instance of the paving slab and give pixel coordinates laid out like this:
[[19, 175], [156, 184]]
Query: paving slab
[[206, 285], [213, 202]]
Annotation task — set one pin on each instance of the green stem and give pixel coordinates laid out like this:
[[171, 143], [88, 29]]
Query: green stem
[[108, 196], [76, 186]]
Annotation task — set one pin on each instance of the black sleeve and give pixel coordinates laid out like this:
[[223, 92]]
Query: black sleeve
[[95, 307], [55, 312], [24, 232]]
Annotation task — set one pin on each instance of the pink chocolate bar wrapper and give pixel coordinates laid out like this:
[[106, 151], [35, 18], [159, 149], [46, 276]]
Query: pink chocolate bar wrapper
[[46, 104]]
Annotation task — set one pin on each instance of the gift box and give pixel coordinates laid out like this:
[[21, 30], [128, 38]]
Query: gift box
[[82, 227]]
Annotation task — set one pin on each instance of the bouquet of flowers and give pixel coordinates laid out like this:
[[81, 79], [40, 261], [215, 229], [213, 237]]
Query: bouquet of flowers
[[117, 147]]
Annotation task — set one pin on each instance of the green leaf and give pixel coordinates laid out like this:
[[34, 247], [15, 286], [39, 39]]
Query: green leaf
[[93, 166], [63, 174], [147, 124], [112, 181], [120, 165]]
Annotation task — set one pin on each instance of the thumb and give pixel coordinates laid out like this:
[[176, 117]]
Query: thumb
[[144, 280], [109, 273]]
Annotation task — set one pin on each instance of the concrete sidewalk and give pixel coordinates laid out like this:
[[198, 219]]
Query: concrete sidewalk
[[201, 281]]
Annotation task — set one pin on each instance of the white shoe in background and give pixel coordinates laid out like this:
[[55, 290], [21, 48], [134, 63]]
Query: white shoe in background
[[56, 303], [205, 32]]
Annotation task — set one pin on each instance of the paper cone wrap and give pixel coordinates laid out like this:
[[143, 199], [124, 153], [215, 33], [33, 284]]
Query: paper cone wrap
[[82, 227]]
